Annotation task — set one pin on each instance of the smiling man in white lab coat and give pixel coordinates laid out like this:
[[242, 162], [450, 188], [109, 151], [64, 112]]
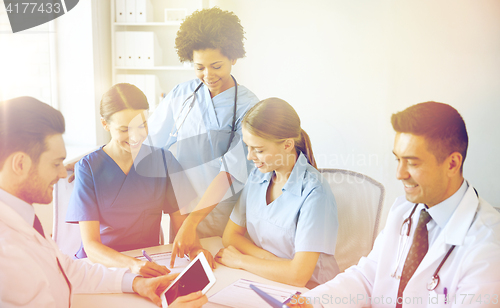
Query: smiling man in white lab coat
[[430, 147], [33, 272]]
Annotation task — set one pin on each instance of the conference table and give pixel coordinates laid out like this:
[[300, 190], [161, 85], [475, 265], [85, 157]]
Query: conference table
[[225, 276]]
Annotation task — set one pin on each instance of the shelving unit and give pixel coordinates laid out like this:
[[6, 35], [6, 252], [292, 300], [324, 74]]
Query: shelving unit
[[170, 71]]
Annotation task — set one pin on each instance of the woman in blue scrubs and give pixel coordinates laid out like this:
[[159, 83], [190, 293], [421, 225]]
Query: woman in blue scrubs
[[122, 189], [201, 118], [286, 207]]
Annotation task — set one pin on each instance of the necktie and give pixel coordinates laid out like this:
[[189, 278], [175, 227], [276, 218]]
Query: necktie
[[418, 249], [38, 226]]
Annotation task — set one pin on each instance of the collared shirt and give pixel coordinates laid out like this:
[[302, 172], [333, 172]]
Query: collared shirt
[[27, 212], [442, 212], [302, 218]]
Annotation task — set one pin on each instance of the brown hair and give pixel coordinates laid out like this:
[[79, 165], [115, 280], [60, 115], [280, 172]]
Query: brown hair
[[210, 29], [274, 119], [25, 123], [122, 96], [440, 124]]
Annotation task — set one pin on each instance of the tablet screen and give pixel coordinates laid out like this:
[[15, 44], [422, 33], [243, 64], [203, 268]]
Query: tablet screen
[[195, 279]]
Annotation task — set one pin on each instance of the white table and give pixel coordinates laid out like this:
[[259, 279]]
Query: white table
[[224, 275]]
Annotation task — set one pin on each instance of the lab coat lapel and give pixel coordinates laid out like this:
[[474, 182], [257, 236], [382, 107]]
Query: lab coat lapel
[[16, 222], [453, 234]]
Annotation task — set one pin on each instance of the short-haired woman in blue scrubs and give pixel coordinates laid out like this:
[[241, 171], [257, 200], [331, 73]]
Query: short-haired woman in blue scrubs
[[286, 207], [122, 189], [201, 118]]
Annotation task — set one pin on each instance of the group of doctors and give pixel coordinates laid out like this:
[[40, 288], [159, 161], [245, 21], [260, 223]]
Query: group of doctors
[[239, 166]]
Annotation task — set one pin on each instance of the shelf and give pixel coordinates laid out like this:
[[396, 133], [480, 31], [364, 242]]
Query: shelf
[[156, 68], [148, 24]]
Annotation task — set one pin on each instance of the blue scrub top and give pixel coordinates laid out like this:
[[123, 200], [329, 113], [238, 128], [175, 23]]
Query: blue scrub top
[[303, 218], [201, 141], [128, 207]]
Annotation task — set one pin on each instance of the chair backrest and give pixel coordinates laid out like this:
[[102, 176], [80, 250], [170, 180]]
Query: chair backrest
[[359, 201], [66, 235]]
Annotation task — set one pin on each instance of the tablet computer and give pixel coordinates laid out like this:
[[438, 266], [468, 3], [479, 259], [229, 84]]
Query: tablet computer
[[197, 276]]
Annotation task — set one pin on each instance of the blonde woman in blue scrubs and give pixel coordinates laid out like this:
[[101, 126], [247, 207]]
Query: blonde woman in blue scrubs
[[286, 207]]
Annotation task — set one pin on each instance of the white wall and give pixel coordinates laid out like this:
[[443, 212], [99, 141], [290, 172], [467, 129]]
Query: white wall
[[346, 66]]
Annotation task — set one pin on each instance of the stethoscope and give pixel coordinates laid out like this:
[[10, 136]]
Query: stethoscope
[[175, 129], [403, 244]]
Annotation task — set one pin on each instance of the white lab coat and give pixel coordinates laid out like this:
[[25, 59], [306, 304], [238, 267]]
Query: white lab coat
[[29, 274], [472, 268]]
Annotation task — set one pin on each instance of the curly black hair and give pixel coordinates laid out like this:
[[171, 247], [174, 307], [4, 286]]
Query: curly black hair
[[210, 29]]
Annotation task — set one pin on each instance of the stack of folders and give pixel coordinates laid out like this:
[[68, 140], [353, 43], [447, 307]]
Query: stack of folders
[[149, 84], [137, 49], [135, 11]]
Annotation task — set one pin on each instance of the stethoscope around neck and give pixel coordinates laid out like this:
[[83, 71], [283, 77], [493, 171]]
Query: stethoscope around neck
[[177, 126], [403, 245]]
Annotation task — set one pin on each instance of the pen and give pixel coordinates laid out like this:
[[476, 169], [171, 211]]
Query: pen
[[145, 254], [291, 297], [445, 295]]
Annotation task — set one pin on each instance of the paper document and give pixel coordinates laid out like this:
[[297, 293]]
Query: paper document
[[240, 295], [164, 258]]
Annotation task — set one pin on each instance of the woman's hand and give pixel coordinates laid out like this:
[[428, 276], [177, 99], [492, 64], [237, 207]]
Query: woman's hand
[[149, 269], [71, 167], [230, 257], [207, 254], [185, 241]]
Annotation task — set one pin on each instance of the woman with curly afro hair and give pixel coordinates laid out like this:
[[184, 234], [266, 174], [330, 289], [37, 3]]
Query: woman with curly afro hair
[[202, 118]]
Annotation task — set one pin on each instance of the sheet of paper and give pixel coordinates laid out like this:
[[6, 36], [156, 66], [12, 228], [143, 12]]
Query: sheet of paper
[[164, 259], [240, 295]]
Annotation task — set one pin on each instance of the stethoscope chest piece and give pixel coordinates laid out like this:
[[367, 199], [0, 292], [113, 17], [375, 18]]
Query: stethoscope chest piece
[[433, 283]]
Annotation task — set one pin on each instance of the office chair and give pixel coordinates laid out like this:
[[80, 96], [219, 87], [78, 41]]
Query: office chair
[[359, 204]]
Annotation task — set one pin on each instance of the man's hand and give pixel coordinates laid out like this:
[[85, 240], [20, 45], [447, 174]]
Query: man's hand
[[153, 287]]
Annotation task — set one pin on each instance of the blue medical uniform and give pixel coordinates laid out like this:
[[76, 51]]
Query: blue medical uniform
[[201, 141], [128, 206], [303, 218]]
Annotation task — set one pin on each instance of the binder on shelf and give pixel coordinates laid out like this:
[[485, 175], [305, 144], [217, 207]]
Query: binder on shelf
[[148, 84], [120, 46], [120, 78], [120, 11], [150, 49], [144, 11], [152, 91], [130, 9], [130, 49]]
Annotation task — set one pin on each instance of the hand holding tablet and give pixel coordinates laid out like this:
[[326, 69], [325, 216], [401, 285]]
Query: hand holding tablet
[[197, 276]]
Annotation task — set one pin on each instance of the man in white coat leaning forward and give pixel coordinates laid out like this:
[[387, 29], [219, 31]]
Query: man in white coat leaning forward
[[450, 256], [33, 272]]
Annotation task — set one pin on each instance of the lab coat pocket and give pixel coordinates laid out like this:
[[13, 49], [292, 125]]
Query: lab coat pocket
[[436, 300]]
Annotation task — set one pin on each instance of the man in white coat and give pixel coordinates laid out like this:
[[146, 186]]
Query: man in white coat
[[458, 239], [33, 272]]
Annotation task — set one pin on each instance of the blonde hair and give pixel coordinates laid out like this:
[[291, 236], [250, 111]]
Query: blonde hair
[[274, 119]]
